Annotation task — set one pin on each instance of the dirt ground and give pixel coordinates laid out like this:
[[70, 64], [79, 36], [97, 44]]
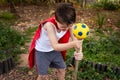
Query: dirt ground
[[30, 16]]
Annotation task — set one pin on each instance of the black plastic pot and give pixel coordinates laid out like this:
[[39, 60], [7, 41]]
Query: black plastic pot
[[1, 67], [93, 64], [104, 68], [10, 62], [98, 67], [114, 69], [118, 70], [6, 65]]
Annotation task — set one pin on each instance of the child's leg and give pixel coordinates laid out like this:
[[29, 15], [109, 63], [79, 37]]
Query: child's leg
[[42, 77], [59, 64], [38, 78], [61, 74], [42, 64]]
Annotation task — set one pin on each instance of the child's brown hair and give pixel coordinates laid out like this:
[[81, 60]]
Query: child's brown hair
[[65, 13]]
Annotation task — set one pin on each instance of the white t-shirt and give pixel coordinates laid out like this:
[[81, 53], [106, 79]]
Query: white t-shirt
[[43, 44]]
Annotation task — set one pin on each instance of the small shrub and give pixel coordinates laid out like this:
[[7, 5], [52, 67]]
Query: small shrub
[[7, 15], [107, 5], [103, 48], [101, 20], [10, 41]]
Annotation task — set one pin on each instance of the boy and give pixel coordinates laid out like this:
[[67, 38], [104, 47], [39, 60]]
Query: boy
[[48, 48]]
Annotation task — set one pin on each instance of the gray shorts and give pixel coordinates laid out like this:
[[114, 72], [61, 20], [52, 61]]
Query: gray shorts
[[44, 60]]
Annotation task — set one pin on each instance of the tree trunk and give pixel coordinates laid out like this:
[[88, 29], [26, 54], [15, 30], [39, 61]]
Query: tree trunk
[[66, 1], [83, 5], [12, 8]]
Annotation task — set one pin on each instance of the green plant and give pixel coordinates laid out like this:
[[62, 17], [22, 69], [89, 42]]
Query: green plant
[[99, 48], [2, 2], [26, 69], [107, 4], [10, 42], [30, 30], [7, 15], [88, 72], [101, 20], [102, 48]]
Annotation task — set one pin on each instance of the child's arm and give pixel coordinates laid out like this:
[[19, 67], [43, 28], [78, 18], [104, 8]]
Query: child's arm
[[54, 41]]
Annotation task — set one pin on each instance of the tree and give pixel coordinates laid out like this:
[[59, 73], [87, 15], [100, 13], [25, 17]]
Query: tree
[[12, 7], [83, 4]]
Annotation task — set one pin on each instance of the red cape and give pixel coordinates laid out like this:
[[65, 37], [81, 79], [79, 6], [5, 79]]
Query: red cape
[[64, 39]]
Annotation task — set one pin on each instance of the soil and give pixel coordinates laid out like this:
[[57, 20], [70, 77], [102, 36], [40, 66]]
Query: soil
[[30, 16], [23, 73]]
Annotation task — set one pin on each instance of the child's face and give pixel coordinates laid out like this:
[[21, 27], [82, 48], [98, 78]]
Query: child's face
[[63, 27]]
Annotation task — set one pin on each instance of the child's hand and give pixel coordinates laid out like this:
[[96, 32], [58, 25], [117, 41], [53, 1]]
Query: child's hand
[[78, 56], [78, 44]]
